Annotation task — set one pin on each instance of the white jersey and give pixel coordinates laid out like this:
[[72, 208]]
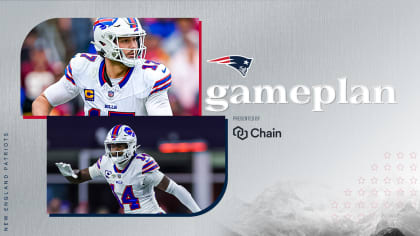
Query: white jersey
[[85, 75], [132, 186]]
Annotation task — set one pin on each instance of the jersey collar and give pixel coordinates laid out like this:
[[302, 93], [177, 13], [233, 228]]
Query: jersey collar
[[125, 169], [102, 75]]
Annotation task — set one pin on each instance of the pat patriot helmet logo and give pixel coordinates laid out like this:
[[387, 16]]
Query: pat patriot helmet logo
[[239, 63], [239, 132]]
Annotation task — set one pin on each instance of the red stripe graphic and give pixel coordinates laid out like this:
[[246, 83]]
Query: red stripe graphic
[[219, 59]]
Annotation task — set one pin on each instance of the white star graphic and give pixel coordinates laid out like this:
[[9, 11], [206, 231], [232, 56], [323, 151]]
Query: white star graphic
[[400, 180], [374, 205], [347, 205], [374, 192], [347, 192]]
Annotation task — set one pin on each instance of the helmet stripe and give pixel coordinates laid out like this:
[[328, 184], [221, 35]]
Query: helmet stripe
[[115, 131], [132, 22]]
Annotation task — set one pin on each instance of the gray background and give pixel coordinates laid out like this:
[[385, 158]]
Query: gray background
[[292, 42]]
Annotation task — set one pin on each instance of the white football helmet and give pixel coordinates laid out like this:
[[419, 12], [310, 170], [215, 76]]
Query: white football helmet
[[121, 134], [106, 32]]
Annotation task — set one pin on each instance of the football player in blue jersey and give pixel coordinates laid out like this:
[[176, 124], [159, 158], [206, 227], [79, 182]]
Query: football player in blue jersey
[[116, 81]]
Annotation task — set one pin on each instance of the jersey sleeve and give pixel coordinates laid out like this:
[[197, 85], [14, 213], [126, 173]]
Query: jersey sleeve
[[162, 79], [77, 69], [68, 72], [61, 92], [158, 104], [149, 163], [95, 169], [153, 178], [67, 87]]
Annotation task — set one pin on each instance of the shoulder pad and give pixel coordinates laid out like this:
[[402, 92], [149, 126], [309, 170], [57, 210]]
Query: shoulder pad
[[149, 163], [79, 63], [99, 161], [158, 75]]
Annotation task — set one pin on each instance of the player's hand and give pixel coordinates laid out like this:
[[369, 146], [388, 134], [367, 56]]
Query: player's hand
[[66, 169]]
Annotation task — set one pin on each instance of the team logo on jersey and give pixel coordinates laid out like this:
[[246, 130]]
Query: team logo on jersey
[[239, 63], [89, 95]]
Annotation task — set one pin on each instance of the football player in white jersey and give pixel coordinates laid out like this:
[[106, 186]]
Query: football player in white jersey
[[131, 176], [116, 81]]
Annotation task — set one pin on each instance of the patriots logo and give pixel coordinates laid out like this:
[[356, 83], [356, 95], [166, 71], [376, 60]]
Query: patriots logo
[[240, 63]]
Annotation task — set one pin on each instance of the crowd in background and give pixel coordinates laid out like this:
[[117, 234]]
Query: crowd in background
[[49, 47]]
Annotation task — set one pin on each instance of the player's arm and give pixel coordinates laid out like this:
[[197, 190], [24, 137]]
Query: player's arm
[[61, 92], [73, 176], [164, 183], [41, 106], [157, 104]]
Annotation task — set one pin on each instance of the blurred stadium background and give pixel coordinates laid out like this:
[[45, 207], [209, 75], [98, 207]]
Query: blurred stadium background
[[190, 150], [50, 45]]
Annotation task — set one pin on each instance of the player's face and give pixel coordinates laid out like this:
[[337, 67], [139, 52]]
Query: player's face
[[117, 149], [130, 43]]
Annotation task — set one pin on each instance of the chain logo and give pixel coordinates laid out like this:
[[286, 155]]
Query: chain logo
[[239, 132], [243, 134]]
